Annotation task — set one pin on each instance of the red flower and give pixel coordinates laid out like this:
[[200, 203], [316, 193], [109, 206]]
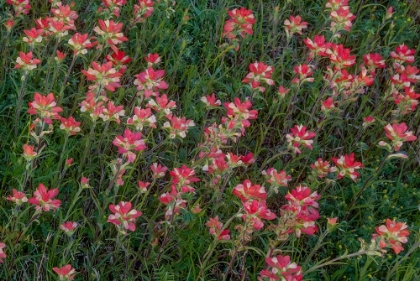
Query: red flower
[[68, 227], [183, 177], [347, 166], [277, 178], [79, 43], [150, 81], [255, 211], [65, 273], [392, 234], [33, 36], [44, 199], [211, 101], [259, 72], [321, 168], [248, 191], [141, 118], [403, 54], [110, 32], [45, 107], [298, 137], [2, 254], [123, 216], [177, 126], [17, 197], [215, 228], [143, 10], [240, 23], [305, 72], [26, 62], [70, 125], [280, 268], [104, 75], [317, 46], [294, 25], [129, 142], [398, 134]]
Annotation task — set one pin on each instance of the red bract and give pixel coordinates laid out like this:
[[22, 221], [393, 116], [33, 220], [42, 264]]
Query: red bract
[[248, 191], [70, 125], [33, 36], [143, 10], [119, 59], [65, 15], [110, 32], [347, 166], [302, 197], [406, 102], [280, 268], [277, 178], [158, 170], [403, 54], [45, 107], [341, 19], [92, 107], [79, 43], [321, 168], [141, 118], [162, 104], [128, 142], [2, 253], [112, 112], [66, 272], [150, 82], [215, 228], [152, 59], [282, 92], [259, 72], [239, 114], [240, 23], [58, 28], [68, 227], [143, 186], [124, 217], [327, 105], [177, 126], [298, 137], [17, 197], [373, 61], [211, 100], [398, 134], [9, 25], [114, 6], [103, 75], [29, 152], [305, 72], [183, 177], [318, 46], [20, 6], [44, 199], [255, 211], [26, 62], [392, 234], [294, 25], [341, 56]]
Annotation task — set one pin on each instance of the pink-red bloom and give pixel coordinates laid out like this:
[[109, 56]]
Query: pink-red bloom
[[123, 216], [216, 229], [398, 134], [392, 234], [26, 61], [2, 253], [259, 72], [248, 191], [347, 166], [79, 43], [17, 197], [321, 168], [68, 227], [110, 32], [45, 107], [44, 199], [294, 25], [70, 125], [65, 273], [300, 136], [104, 75], [255, 211], [129, 142], [281, 268]]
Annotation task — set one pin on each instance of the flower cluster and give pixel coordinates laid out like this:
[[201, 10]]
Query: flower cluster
[[239, 25], [392, 234]]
